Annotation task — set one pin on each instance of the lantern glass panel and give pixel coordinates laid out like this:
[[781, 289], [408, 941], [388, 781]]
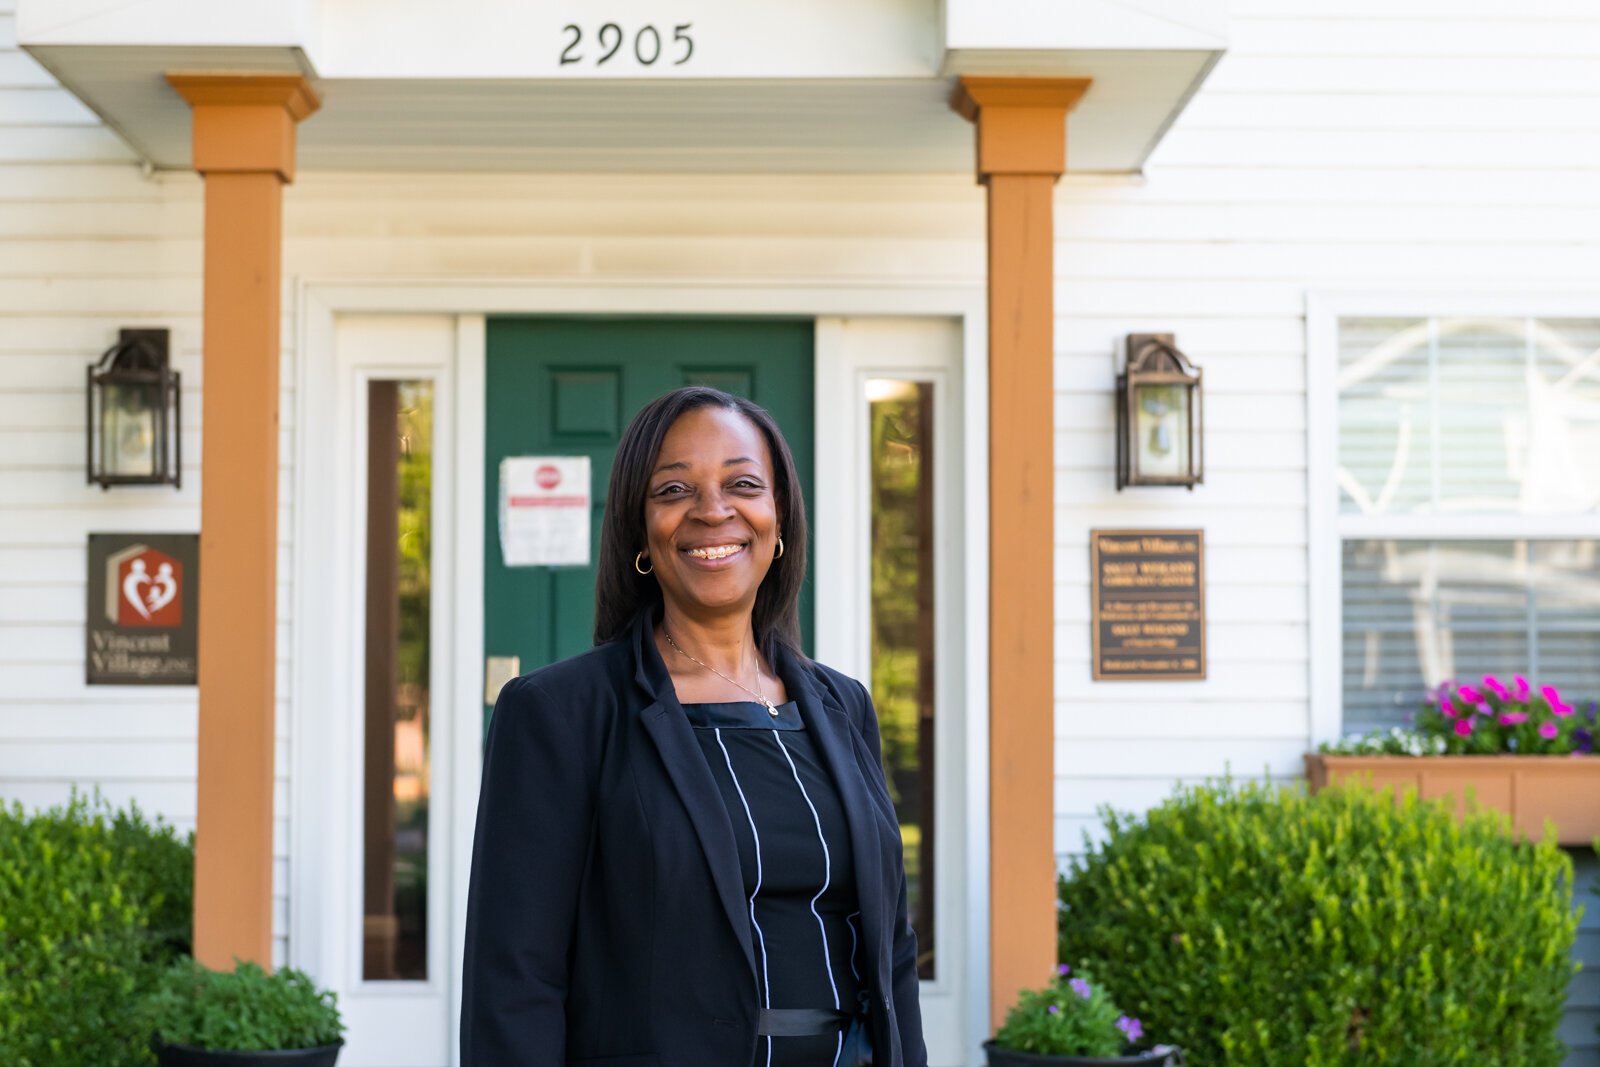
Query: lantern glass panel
[[1161, 430], [128, 428]]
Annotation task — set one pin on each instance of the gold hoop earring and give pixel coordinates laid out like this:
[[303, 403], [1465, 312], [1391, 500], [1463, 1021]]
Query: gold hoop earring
[[779, 554], [637, 557]]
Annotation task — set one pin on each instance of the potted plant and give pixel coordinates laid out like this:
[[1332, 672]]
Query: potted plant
[[244, 1018], [1519, 750], [1071, 1023]]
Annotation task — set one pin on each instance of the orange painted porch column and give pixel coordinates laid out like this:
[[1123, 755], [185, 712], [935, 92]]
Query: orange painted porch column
[[1021, 133], [244, 137]]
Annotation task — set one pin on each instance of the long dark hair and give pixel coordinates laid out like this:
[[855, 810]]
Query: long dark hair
[[621, 592]]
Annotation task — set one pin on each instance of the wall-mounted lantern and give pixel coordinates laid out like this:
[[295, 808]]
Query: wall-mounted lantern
[[134, 413], [1158, 415]]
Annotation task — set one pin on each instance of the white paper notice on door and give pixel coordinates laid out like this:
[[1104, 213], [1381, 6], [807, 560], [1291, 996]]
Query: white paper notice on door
[[544, 511]]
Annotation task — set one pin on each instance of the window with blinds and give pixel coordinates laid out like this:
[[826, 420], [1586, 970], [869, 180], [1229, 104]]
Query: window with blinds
[[1469, 481]]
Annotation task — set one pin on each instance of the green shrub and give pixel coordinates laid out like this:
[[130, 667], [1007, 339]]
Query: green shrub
[[158, 868], [247, 1010], [1260, 926], [92, 902]]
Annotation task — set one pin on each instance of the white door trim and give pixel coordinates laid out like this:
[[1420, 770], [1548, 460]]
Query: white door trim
[[313, 768], [326, 731], [850, 351]]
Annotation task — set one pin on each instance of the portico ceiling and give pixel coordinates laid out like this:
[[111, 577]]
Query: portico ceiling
[[883, 108]]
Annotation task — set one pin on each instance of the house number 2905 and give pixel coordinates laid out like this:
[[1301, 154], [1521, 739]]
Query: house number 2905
[[648, 44]]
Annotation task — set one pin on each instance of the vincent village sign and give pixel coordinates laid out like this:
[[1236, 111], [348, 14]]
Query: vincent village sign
[[143, 602], [1148, 604]]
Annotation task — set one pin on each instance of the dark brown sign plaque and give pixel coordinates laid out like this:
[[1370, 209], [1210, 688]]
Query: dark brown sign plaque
[[144, 603], [1148, 604]]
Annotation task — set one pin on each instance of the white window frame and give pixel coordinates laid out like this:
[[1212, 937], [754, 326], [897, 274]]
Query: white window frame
[[1328, 527]]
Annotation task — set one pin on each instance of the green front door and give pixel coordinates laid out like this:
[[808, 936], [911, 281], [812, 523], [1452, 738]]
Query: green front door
[[568, 387]]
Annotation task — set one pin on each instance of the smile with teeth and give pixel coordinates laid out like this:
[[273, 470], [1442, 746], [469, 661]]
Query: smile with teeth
[[714, 551]]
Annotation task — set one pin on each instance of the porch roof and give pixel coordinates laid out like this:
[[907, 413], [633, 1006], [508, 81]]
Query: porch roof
[[479, 85]]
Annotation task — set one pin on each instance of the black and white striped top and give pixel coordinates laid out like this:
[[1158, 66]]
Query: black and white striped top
[[799, 873]]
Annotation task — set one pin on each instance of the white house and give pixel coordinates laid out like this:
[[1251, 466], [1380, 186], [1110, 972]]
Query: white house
[[416, 240]]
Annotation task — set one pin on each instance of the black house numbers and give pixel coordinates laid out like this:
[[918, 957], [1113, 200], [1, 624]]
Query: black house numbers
[[650, 45]]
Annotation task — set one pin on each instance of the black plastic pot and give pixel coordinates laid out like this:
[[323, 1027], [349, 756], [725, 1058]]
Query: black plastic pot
[[1005, 1057], [189, 1056]]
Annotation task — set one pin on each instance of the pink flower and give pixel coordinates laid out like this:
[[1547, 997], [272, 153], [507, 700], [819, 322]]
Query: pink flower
[[1447, 707], [1548, 730], [1463, 727], [1493, 684], [1522, 687], [1512, 718], [1556, 704], [1470, 695]]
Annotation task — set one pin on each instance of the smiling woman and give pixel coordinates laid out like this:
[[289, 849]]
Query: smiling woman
[[691, 820], [704, 482]]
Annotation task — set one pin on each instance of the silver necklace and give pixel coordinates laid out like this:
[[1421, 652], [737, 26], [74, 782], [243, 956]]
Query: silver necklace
[[771, 708]]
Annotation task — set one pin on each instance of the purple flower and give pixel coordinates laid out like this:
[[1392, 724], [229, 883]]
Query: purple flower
[[1548, 730], [1062, 970], [1130, 1028], [1080, 987], [1522, 687], [1584, 739], [1493, 684], [1463, 727], [1053, 1009], [1512, 718]]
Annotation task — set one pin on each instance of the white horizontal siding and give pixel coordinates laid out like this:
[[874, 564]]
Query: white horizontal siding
[[1405, 145], [1373, 144], [88, 245]]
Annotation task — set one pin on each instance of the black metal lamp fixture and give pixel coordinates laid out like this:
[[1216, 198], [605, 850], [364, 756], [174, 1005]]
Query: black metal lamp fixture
[[1158, 415], [134, 413]]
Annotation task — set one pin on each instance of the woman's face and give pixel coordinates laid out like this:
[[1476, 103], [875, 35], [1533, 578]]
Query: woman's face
[[710, 513]]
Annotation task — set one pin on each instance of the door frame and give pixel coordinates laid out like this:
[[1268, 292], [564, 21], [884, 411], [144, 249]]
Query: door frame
[[849, 353], [312, 846]]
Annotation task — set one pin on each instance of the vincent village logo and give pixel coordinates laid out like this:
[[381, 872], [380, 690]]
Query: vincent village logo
[[137, 597], [141, 609]]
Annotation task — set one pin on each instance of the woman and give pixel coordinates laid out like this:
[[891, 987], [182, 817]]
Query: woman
[[686, 855]]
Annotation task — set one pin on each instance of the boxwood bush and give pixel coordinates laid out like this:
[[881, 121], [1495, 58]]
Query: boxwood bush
[[1254, 925], [92, 904]]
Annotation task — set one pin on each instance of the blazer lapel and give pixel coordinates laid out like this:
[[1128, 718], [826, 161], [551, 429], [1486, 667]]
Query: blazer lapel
[[669, 728], [831, 730]]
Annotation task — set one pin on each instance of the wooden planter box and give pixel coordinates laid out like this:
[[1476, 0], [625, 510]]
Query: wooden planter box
[[1531, 789]]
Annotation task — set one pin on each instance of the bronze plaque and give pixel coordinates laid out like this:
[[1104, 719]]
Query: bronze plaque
[[1148, 604], [144, 603]]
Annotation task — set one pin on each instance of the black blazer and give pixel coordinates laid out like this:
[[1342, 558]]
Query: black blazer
[[607, 924]]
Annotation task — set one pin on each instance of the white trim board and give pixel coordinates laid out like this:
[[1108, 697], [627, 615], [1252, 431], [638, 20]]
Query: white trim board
[[850, 352], [312, 774]]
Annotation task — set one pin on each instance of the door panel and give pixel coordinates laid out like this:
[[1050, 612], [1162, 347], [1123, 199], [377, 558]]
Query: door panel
[[568, 387]]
